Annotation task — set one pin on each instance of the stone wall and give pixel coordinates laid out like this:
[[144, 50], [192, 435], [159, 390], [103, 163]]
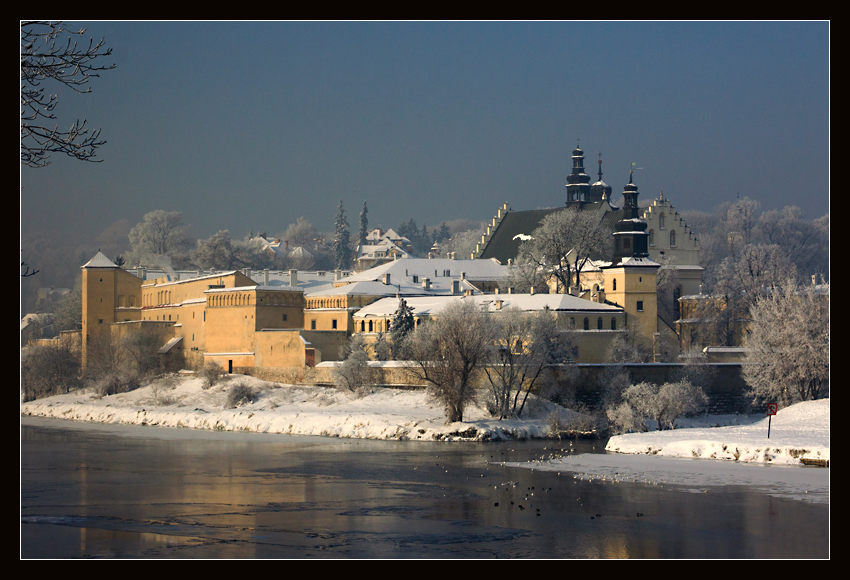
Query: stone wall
[[727, 390]]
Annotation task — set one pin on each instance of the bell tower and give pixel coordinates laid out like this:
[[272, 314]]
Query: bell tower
[[578, 182], [630, 280]]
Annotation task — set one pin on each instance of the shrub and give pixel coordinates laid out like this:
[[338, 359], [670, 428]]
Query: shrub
[[239, 394], [116, 382], [211, 373], [48, 370]]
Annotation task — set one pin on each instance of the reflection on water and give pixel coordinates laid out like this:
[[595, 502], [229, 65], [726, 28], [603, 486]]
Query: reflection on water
[[136, 492]]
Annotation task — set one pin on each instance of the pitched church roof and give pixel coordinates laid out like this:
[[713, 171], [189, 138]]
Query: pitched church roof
[[510, 228]]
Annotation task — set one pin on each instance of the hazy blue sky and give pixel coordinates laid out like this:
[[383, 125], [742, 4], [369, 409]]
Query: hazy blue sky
[[247, 125]]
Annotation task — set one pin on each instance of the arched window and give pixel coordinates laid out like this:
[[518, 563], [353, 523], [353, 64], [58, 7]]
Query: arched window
[[599, 323], [651, 237], [614, 284], [672, 237], [661, 220], [613, 324], [586, 323]]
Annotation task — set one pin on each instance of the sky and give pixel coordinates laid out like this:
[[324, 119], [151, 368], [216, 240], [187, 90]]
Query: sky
[[245, 126]]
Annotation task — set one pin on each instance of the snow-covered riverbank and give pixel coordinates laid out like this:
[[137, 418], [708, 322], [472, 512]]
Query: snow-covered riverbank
[[798, 432], [294, 410]]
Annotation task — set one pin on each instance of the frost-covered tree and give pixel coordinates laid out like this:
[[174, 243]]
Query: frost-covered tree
[[354, 374], [161, 235], [214, 252], [661, 405], [788, 346], [342, 240], [301, 233]]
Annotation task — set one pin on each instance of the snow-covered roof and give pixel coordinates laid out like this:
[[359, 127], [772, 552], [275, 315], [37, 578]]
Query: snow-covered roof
[[99, 261], [429, 305], [402, 287], [434, 268]]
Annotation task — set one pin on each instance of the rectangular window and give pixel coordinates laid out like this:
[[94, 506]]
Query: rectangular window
[[312, 325], [284, 317], [333, 323], [640, 306]]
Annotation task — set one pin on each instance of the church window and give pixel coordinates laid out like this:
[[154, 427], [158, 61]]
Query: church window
[[672, 237], [586, 324], [613, 324], [599, 323], [661, 220], [651, 237]]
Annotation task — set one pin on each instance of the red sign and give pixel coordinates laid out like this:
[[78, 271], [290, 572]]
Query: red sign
[[771, 408]]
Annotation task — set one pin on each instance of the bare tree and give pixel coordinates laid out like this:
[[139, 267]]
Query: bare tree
[[526, 345], [564, 242], [788, 346], [49, 53], [448, 354]]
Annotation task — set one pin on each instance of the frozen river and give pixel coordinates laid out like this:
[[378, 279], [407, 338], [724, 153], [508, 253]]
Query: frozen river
[[100, 491]]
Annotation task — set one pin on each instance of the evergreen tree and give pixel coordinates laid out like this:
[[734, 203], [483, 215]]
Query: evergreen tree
[[364, 226], [342, 241], [402, 323]]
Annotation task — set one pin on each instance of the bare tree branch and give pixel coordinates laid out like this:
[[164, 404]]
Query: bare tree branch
[[46, 56]]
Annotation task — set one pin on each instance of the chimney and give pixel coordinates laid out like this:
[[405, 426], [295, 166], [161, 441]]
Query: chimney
[[293, 277], [426, 284], [337, 275], [386, 278], [463, 275], [510, 289], [266, 277], [499, 304]]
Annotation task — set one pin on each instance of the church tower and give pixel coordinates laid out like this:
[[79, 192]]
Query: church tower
[[600, 190], [578, 182], [630, 280]]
